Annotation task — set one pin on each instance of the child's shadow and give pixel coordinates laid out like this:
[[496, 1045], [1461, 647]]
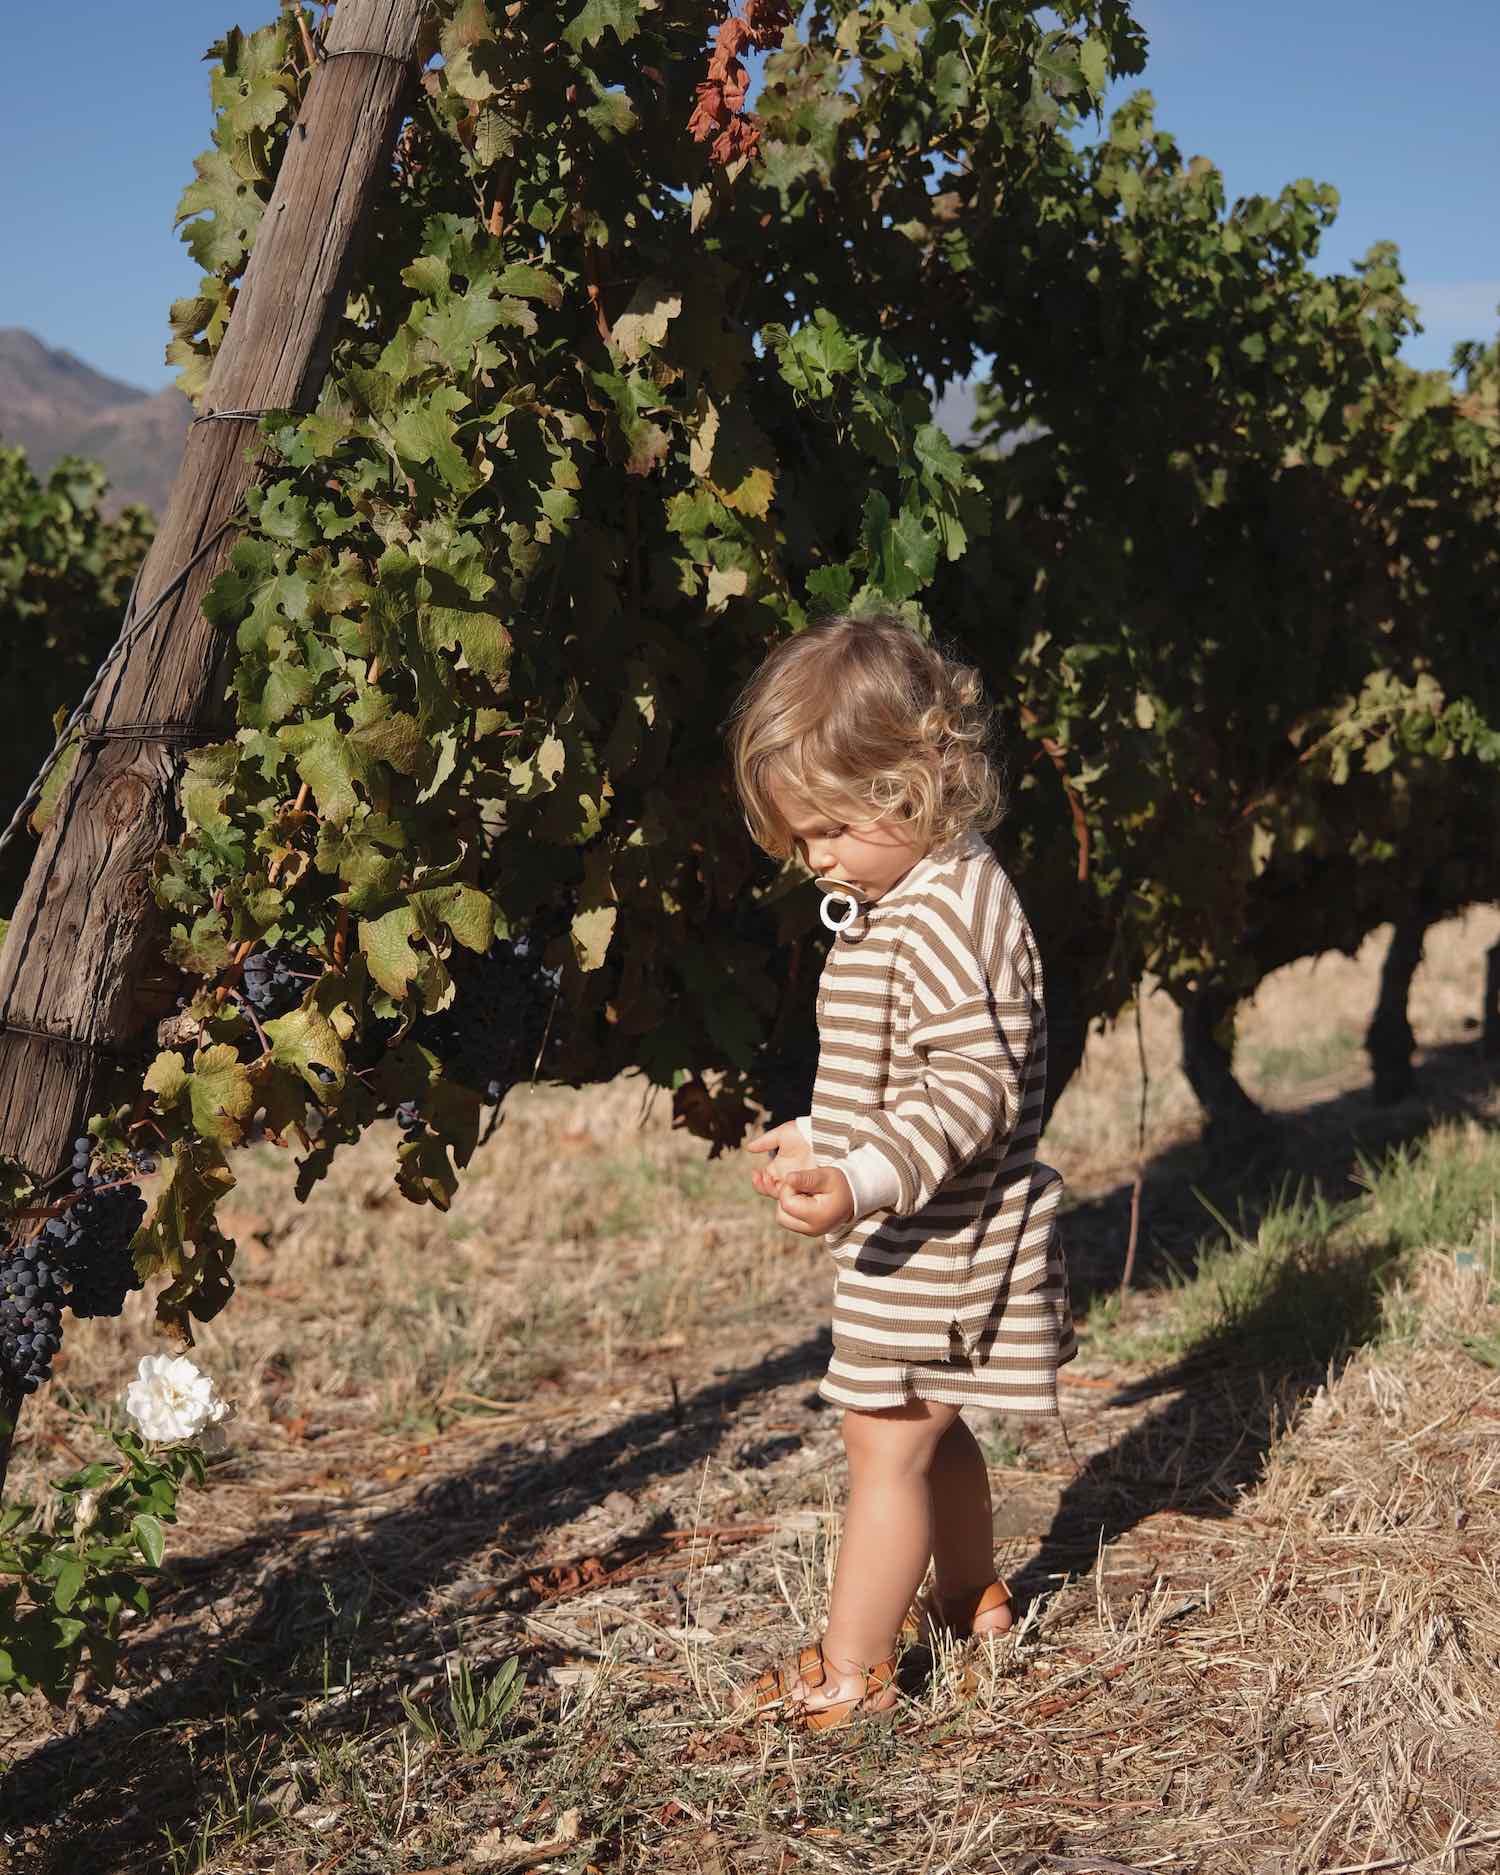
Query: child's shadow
[[1290, 1318]]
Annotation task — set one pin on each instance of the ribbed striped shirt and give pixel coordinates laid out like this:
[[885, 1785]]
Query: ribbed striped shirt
[[932, 1064]]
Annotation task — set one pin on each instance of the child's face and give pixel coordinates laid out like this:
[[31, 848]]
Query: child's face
[[872, 856]]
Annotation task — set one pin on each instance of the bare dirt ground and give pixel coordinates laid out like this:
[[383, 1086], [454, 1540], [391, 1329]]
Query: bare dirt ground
[[573, 1423]]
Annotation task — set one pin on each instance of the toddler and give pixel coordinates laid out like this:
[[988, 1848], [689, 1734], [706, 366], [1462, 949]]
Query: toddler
[[865, 752]]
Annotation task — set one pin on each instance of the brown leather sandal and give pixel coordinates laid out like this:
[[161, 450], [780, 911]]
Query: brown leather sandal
[[774, 1689], [929, 1616]]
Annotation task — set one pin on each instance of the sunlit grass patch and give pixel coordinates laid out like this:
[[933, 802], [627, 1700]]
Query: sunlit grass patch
[[1439, 1191], [1310, 1278]]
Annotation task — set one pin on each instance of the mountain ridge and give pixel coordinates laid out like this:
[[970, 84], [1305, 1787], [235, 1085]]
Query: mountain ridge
[[54, 403]]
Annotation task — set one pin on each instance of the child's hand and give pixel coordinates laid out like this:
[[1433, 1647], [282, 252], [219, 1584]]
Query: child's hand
[[792, 1154], [815, 1201]]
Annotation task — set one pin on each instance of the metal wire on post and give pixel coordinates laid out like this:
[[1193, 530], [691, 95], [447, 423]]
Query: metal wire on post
[[129, 632]]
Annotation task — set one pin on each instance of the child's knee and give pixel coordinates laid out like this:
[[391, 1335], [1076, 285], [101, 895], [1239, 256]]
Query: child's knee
[[902, 1438]]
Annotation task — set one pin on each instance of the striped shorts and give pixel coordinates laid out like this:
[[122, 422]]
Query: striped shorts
[[867, 1382]]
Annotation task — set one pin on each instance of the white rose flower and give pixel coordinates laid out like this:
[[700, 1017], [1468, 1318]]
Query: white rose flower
[[171, 1400]]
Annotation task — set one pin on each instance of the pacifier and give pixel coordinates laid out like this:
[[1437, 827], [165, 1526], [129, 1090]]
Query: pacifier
[[838, 910]]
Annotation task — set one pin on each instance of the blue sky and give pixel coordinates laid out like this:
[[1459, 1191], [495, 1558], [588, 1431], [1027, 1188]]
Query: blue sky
[[103, 107]]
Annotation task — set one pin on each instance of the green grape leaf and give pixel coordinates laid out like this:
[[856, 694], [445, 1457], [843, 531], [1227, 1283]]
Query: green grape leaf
[[462, 909], [528, 282], [599, 16], [425, 432], [220, 1095], [385, 944], [306, 1039]]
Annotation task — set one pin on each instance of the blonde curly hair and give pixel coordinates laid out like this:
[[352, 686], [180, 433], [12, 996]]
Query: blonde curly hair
[[862, 720]]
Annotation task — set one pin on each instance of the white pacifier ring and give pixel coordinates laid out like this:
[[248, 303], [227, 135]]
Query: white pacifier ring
[[830, 917]]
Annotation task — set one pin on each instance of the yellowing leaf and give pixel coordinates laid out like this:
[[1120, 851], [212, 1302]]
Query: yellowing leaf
[[724, 584], [644, 322], [743, 462], [701, 450], [57, 779], [551, 759], [166, 1078], [592, 931], [220, 1096], [305, 1039], [752, 495]]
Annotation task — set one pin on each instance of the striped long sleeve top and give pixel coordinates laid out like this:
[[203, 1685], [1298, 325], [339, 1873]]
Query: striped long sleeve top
[[932, 1065]]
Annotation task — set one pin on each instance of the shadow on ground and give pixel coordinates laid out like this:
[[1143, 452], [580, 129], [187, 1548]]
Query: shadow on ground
[[128, 1769], [1228, 1397], [99, 1791]]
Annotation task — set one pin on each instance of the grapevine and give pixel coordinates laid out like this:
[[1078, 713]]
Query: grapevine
[[624, 393], [65, 572]]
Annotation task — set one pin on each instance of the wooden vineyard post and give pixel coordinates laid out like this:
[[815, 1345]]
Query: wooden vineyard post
[[81, 971]]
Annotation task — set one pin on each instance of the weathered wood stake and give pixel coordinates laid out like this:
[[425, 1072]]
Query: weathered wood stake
[[81, 973]]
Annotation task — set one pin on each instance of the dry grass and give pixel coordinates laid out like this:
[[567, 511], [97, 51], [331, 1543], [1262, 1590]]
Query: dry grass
[[573, 1423], [581, 1238]]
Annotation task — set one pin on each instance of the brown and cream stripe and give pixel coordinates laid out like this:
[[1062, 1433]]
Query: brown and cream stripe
[[931, 1071]]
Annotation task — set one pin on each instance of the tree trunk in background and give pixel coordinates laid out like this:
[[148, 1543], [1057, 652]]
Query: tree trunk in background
[[1389, 1040], [82, 978], [1208, 1062]]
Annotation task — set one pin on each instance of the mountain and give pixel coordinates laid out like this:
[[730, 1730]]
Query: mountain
[[53, 404]]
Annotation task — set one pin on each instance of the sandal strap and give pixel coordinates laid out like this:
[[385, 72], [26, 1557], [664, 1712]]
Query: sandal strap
[[997, 1595], [811, 1666], [931, 1611], [827, 1718], [775, 1684]]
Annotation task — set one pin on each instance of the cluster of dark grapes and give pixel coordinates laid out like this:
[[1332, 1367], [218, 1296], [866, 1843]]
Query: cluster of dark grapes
[[90, 1241], [275, 980], [490, 1035], [80, 1258], [31, 1300]]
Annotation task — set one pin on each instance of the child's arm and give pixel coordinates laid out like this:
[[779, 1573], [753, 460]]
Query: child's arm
[[972, 1039]]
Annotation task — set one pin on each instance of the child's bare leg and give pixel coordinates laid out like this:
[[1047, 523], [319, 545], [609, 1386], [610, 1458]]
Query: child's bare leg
[[887, 1538], [963, 1542]]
